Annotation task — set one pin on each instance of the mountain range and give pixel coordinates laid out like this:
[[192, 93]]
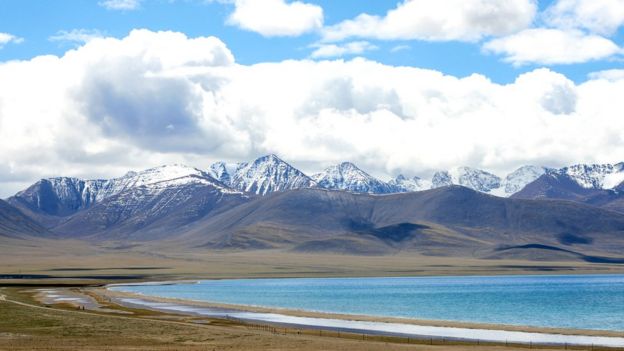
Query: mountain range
[[573, 213]]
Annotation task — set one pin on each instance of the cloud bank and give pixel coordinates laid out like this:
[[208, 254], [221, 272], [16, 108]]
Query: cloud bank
[[112, 105], [566, 32], [552, 46], [462, 20]]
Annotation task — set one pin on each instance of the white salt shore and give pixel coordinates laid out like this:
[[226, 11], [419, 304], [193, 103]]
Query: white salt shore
[[383, 328]]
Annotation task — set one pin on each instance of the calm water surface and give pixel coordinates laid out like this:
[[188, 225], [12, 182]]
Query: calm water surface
[[581, 302]]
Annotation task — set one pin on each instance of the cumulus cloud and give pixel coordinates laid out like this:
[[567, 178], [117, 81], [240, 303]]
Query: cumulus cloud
[[273, 18], [463, 20], [552, 46], [6, 38], [132, 91], [598, 16], [150, 98], [77, 36], [334, 50], [124, 5]]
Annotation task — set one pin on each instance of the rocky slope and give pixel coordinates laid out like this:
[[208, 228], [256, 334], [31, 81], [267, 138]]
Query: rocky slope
[[14, 223]]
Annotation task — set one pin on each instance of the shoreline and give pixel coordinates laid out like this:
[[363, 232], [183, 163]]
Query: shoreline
[[390, 326]]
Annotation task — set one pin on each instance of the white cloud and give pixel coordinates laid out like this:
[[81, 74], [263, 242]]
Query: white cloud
[[611, 75], [151, 98], [463, 20], [272, 18], [124, 5], [552, 46], [6, 38], [77, 36], [334, 50], [598, 16]]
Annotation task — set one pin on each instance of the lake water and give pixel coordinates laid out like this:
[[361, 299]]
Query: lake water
[[579, 302]]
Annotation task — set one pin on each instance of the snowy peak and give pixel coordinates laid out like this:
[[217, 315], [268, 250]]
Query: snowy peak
[[403, 184], [596, 176], [518, 179], [475, 179], [347, 176], [269, 174]]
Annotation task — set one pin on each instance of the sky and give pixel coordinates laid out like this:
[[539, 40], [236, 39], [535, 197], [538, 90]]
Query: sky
[[94, 89]]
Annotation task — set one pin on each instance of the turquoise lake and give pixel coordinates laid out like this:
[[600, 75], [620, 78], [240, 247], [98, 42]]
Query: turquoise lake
[[575, 301]]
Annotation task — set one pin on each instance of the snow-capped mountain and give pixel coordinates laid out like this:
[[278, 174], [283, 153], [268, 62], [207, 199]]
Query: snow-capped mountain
[[486, 182], [469, 177], [269, 174], [404, 184], [154, 209], [518, 179], [346, 176], [63, 196], [596, 176]]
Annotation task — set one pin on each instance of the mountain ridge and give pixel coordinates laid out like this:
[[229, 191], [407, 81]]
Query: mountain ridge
[[269, 173]]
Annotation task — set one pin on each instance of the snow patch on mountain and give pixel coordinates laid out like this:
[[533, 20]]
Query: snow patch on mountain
[[219, 171]]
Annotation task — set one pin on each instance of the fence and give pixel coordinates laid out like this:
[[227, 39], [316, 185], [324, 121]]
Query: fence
[[410, 340]]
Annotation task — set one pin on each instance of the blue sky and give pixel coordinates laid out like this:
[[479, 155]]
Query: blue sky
[[93, 89], [37, 21]]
